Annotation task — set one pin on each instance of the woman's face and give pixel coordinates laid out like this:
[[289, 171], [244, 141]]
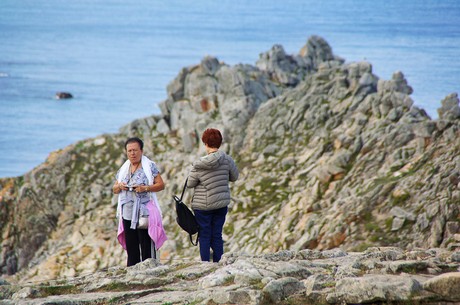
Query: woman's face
[[134, 152]]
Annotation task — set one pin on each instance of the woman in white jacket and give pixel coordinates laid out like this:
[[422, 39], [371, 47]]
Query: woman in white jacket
[[136, 183]]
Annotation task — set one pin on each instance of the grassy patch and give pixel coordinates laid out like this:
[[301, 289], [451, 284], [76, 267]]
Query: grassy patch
[[6, 292], [388, 223], [362, 247], [117, 286], [267, 183], [256, 284], [399, 200], [329, 284], [372, 227], [46, 291]]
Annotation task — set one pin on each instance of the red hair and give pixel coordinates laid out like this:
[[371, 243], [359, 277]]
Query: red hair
[[212, 137]]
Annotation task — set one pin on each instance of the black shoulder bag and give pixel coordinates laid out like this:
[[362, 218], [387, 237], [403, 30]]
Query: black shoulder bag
[[185, 217]]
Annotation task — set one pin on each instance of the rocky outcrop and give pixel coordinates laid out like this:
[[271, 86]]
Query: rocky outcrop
[[388, 275], [228, 97], [329, 155], [351, 160]]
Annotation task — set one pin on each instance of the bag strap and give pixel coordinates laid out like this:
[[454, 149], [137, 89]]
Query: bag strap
[[190, 235], [196, 241], [183, 190]]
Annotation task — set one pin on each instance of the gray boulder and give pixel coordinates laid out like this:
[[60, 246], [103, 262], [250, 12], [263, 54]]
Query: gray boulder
[[376, 288], [446, 285], [450, 109]]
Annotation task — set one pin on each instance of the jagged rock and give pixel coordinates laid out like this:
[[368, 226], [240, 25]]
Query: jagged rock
[[374, 289], [210, 65], [446, 285], [397, 223], [278, 290], [456, 256], [317, 51], [281, 67], [163, 127], [175, 88], [401, 213], [422, 221], [450, 109], [229, 296], [425, 129], [26, 292], [316, 283], [397, 83]]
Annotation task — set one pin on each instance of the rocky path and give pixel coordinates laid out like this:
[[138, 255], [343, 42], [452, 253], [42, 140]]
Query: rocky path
[[378, 275]]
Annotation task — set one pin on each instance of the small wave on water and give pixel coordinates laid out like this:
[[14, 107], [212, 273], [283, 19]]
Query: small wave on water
[[4, 74]]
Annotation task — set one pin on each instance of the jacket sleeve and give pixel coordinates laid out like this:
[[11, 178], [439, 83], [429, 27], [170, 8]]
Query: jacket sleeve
[[234, 174], [193, 178]]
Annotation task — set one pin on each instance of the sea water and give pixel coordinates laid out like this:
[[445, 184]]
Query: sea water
[[116, 57]]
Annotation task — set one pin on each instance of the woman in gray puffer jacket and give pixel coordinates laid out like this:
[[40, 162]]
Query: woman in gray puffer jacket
[[209, 177]]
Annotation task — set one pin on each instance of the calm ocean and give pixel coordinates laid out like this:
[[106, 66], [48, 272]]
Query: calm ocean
[[117, 57]]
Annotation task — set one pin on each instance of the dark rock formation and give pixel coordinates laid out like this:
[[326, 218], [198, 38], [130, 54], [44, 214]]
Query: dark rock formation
[[63, 95]]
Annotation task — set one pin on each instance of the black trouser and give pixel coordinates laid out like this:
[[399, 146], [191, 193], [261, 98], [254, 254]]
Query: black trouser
[[137, 242]]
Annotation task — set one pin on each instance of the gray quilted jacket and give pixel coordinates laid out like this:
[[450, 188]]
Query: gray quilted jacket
[[210, 176]]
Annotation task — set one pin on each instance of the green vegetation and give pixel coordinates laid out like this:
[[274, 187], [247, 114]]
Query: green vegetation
[[19, 181], [362, 247], [119, 286], [329, 284], [268, 183], [388, 223], [58, 290], [6, 292], [399, 200], [372, 227], [256, 284], [215, 114], [230, 280]]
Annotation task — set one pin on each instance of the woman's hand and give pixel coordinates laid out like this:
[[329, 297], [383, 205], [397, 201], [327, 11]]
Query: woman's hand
[[158, 185], [118, 187], [142, 188]]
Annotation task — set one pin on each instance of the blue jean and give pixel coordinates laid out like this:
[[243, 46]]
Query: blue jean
[[210, 236]]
